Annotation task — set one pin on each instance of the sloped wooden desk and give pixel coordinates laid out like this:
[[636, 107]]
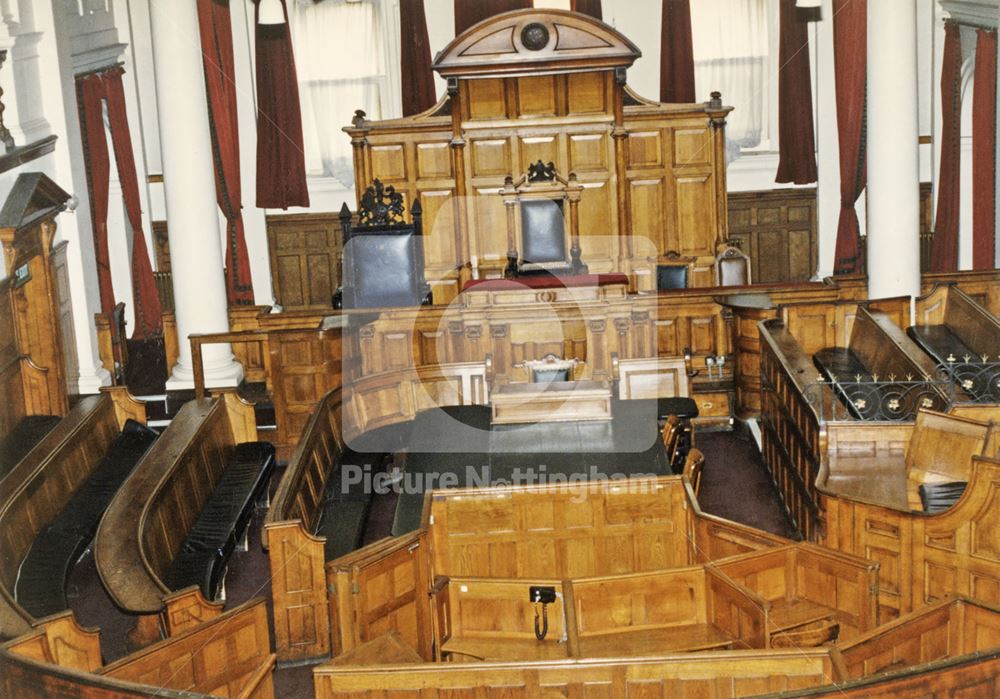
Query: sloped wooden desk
[[554, 401]]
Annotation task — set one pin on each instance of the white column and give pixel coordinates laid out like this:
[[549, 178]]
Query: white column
[[827, 144], [893, 163], [192, 212]]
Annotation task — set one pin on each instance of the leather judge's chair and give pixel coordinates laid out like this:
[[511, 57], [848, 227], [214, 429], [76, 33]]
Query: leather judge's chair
[[383, 254], [673, 275], [732, 267], [542, 223]]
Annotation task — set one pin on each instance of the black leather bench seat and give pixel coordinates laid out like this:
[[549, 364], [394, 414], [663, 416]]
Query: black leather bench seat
[[865, 400], [223, 521], [940, 342], [347, 502], [938, 497], [980, 381], [28, 432], [41, 581]]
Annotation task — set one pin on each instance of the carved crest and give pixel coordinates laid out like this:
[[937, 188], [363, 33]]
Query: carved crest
[[381, 205], [541, 172]]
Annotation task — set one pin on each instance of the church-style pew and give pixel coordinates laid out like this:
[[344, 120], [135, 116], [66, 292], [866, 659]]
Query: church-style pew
[[881, 374], [317, 514], [155, 511], [680, 610], [948, 649], [923, 557], [66, 471], [544, 532], [895, 465], [962, 337], [225, 656], [814, 594], [720, 674]]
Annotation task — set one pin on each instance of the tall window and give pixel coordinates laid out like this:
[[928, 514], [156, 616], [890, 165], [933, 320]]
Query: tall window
[[342, 59], [732, 54]]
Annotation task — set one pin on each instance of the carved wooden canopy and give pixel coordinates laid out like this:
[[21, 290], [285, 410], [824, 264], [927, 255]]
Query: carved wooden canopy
[[533, 41]]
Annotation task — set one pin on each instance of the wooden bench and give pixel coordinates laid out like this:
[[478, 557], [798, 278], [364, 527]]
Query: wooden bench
[[65, 468], [147, 523], [223, 523], [814, 593], [881, 374], [962, 337], [888, 465], [225, 656], [680, 610]]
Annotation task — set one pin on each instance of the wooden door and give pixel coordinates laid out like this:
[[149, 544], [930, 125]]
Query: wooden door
[[380, 588]]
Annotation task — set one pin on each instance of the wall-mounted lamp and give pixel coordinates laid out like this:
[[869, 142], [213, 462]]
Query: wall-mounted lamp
[[809, 10], [270, 12]]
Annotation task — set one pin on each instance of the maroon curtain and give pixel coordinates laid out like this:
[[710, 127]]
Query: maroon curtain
[[676, 52], [145, 298], [984, 134], [944, 244], [587, 7], [419, 93], [220, 87], [850, 57], [469, 12], [90, 94], [281, 162], [796, 141]]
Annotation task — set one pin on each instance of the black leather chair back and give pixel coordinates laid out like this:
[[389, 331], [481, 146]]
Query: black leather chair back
[[543, 231], [671, 277], [383, 255]]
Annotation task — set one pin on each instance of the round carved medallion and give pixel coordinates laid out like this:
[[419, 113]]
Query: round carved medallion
[[535, 36]]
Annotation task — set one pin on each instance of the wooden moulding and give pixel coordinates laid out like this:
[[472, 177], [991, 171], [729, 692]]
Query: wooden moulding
[[146, 522]]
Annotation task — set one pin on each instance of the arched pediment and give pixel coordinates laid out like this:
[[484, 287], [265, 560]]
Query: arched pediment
[[535, 41]]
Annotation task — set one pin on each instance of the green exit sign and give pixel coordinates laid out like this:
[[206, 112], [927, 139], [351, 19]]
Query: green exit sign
[[22, 275]]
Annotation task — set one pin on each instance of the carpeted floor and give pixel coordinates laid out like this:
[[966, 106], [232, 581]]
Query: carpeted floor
[[734, 485]]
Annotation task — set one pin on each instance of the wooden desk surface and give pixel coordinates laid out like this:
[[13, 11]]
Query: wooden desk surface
[[551, 401]]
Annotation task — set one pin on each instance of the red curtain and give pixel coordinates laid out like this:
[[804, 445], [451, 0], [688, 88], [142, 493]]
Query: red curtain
[[944, 244], [145, 298], [796, 141], [220, 86], [676, 52], [587, 7], [850, 57], [984, 134], [92, 91], [469, 12], [419, 93], [281, 162]]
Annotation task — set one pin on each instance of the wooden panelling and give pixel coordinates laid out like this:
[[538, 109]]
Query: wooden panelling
[[382, 588], [806, 583], [306, 252], [226, 657], [777, 230], [714, 674], [948, 629]]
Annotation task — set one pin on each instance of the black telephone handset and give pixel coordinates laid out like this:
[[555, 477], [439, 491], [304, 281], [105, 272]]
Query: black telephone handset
[[542, 595]]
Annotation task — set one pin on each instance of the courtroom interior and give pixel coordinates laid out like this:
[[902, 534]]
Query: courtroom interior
[[364, 349]]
